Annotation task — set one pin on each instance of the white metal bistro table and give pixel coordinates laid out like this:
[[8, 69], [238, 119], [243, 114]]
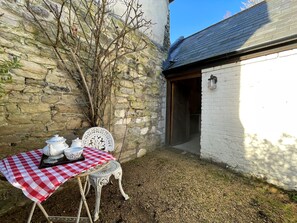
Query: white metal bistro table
[[22, 171]]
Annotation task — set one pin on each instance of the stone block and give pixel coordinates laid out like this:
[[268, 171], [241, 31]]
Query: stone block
[[85, 124], [17, 96], [123, 121], [55, 76], [22, 50], [34, 82], [60, 117], [120, 113], [13, 108], [119, 132], [154, 115], [33, 108], [139, 93], [11, 20], [74, 123], [142, 119], [121, 106], [34, 68], [137, 105], [141, 153], [10, 138], [30, 144], [155, 91], [72, 99], [126, 84], [43, 117], [153, 129], [134, 73], [18, 118], [144, 131], [6, 43], [29, 27], [65, 108], [54, 126], [121, 100], [29, 74], [59, 88], [126, 91], [3, 121], [135, 131], [9, 130], [14, 85], [128, 153], [131, 98], [34, 127], [50, 99]]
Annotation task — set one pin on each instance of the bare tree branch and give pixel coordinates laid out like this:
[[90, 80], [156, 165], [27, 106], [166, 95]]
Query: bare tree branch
[[86, 33]]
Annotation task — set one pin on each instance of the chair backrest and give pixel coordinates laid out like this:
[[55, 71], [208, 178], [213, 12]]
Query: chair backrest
[[99, 138]]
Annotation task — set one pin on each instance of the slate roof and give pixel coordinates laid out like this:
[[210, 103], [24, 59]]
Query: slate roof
[[267, 22]]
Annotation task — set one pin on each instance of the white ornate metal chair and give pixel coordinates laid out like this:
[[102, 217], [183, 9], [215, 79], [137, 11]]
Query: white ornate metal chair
[[102, 139]]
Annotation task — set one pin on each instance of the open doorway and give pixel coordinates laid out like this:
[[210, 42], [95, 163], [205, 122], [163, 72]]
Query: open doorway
[[185, 114]]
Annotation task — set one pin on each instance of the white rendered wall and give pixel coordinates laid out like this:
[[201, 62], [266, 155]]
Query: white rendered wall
[[154, 10], [250, 121]]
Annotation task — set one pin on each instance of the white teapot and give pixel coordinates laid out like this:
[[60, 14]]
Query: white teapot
[[76, 143], [55, 147]]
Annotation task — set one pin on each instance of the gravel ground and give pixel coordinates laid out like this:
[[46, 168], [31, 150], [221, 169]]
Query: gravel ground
[[169, 185]]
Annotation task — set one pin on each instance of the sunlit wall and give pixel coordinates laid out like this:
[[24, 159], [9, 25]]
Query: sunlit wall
[[249, 121]]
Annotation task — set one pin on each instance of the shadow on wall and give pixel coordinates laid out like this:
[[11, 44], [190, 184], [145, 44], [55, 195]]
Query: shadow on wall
[[268, 115], [273, 162], [224, 134]]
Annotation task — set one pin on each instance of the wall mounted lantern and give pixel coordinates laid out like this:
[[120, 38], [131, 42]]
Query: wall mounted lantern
[[212, 82]]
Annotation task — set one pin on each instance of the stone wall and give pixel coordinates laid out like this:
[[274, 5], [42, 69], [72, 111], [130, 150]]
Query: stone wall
[[249, 121], [42, 100]]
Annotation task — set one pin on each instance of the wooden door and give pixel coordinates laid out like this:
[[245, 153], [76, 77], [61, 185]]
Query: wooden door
[[180, 118]]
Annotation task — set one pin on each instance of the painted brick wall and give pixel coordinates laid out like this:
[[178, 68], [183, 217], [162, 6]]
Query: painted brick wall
[[249, 121]]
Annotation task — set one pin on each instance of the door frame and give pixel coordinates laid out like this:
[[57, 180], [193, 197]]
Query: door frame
[[169, 101]]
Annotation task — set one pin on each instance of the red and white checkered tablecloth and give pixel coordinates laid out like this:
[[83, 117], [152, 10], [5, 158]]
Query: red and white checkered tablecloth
[[38, 184]]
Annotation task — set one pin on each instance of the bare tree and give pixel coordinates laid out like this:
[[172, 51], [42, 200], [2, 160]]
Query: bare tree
[[249, 3], [89, 41]]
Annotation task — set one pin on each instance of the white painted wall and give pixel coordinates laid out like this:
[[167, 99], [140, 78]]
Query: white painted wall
[[250, 121], [154, 10]]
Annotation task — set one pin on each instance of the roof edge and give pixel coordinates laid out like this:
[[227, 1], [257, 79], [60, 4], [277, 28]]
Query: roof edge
[[261, 47]]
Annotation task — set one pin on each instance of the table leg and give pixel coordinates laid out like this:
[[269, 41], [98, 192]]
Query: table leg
[[31, 212], [44, 212], [41, 208], [83, 199]]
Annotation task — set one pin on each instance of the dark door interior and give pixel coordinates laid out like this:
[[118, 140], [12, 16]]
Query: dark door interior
[[185, 109]]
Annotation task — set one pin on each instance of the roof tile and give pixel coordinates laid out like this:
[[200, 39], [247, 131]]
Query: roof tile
[[267, 21]]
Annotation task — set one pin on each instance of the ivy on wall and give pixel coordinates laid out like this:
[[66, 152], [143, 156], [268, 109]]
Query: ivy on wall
[[5, 67]]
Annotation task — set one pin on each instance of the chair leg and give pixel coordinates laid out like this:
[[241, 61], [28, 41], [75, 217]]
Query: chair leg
[[98, 184], [118, 175], [121, 189], [88, 187], [98, 189]]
